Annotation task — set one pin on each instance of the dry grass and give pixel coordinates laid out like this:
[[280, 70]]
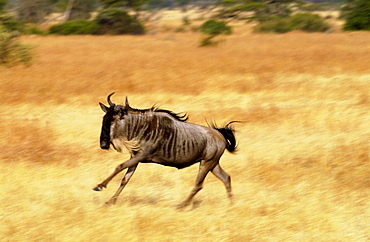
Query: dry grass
[[302, 172]]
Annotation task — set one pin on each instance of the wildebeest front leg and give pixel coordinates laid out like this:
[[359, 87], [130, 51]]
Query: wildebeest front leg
[[131, 162], [126, 178]]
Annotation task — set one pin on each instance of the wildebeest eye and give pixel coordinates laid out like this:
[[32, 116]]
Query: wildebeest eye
[[123, 112], [117, 109]]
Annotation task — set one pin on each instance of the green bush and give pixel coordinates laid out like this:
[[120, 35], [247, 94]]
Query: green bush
[[12, 52], [214, 27], [33, 29], [117, 21], [75, 27], [308, 22], [109, 21], [10, 24], [211, 29], [301, 21], [208, 41], [357, 15], [308, 6], [276, 25], [2, 5]]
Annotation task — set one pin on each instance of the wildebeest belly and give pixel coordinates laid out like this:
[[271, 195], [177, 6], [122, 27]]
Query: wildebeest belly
[[178, 165]]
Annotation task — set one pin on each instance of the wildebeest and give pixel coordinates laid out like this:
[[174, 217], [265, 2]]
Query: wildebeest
[[161, 136]]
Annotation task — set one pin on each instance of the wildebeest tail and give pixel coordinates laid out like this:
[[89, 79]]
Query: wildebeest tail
[[228, 133]]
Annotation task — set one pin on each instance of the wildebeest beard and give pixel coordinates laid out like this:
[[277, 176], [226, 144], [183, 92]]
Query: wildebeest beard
[[105, 132]]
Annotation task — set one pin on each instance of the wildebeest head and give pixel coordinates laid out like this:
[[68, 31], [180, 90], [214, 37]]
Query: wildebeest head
[[113, 113]]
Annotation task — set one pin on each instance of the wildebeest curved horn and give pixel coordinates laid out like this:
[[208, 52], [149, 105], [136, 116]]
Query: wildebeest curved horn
[[109, 101]]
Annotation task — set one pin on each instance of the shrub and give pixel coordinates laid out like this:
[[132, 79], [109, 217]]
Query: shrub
[[186, 21], [2, 5], [310, 7], [12, 52], [10, 24], [109, 21], [180, 29], [214, 27], [357, 15], [308, 22], [301, 21], [276, 25], [117, 21], [75, 27], [33, 29], [211, 29]]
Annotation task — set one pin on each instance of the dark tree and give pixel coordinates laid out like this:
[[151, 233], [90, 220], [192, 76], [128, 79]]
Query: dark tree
[[263, 10], [31, 10], [3, 4], [357, 15]]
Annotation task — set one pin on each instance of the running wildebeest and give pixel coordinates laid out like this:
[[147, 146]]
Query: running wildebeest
[[160, 136]]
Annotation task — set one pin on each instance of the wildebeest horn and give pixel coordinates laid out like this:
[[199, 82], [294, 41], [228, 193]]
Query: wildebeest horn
[[126, 104], [109, 101]]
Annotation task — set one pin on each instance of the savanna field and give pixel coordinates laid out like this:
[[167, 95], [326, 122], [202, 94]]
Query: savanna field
[[301, 172]]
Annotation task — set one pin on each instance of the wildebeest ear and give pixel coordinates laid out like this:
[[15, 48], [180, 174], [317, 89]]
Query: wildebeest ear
[[103, 107]]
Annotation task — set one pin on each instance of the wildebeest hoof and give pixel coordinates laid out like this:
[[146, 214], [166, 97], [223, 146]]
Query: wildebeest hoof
[[110, 202], [98, 189], [181, 206], [107, 204]]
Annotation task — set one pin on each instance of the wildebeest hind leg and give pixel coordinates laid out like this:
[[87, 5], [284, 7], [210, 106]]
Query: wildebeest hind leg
[[202, 173], [224, 177]]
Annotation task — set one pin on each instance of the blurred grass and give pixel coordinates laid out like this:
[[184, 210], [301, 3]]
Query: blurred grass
[[301, 172]]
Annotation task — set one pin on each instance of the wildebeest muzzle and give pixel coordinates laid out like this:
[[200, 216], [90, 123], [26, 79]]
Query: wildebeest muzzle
[[104, 144]]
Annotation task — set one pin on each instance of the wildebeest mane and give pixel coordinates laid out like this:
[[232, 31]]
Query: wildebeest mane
[[178, 116]]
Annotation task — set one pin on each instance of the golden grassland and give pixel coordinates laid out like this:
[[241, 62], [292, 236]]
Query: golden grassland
[[301, 173]]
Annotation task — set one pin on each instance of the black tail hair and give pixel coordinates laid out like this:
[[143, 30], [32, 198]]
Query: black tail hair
[[228, 133]]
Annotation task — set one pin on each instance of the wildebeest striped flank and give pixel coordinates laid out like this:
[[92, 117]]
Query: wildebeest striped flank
[[160, 136]]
